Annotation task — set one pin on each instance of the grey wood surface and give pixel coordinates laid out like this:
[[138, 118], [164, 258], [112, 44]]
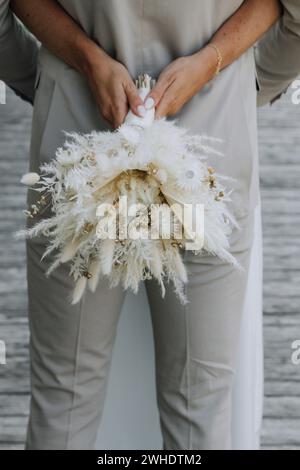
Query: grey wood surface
[[279, 137]]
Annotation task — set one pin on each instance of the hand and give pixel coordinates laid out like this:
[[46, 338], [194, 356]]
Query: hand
[[113, 88], [180, 81]]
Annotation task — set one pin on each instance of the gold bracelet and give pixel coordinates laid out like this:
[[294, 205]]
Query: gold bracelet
[[219, 58]]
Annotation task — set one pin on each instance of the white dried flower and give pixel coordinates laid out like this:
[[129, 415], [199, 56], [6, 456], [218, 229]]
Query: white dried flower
[[98, 169], [162, 175], [30, 179]]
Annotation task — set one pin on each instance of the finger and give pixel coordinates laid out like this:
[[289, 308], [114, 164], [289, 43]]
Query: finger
[[156, 94], [120, 111], [167, 105], [118, 121], [118, 105], [106, 113], [161, 111], [136, 103]]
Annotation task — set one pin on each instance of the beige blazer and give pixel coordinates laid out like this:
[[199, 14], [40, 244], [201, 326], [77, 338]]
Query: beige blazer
[[278, 54], [146, 35], [18, 54]]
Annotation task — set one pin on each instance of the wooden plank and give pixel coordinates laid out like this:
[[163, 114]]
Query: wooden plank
[[14, 376], [13, 429], [11, 446], [282, 388], [277, 432], [276, 407], [14, 405], [279, 447]]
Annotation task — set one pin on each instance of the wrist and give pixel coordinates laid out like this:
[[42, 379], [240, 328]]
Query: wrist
[[207, 61], [89, 56], [219, 57]]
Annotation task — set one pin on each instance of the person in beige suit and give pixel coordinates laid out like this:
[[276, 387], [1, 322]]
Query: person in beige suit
[[278, 54], [18, 54], [83, 82]]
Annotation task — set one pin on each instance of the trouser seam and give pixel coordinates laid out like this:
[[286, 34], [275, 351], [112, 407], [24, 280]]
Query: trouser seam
[[188, 371], [70, 421]]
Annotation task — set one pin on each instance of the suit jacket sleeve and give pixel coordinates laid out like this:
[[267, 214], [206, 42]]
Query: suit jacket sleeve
[[278, 54], [18, 54]]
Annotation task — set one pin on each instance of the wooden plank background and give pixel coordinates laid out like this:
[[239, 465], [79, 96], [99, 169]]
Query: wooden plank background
[[279, 137]]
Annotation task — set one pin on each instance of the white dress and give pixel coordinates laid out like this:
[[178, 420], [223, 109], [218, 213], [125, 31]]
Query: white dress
[[130, 419]]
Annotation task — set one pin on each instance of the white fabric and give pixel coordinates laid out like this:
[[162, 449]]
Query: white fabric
[[248, 389], [130, 419]]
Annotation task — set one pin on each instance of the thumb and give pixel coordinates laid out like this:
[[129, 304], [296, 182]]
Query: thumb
[[156, 94], [136, 103]]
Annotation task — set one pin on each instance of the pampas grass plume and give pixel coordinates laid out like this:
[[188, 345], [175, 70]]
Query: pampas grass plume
[[30, 179]]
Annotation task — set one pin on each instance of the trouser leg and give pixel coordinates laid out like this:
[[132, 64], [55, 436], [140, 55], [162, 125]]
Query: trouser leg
[[70, 354], [196, 346]]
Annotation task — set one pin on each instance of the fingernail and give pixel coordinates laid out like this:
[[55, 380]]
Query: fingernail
[[149, 103], [141, 110]]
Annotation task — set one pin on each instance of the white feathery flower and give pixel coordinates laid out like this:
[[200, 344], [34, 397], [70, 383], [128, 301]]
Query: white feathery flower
[[191, 175], [162, 175], [79, 290], [30, 179], [156, 166]]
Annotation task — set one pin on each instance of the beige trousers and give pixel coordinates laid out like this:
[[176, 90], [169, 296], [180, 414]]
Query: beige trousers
[[195, 352]]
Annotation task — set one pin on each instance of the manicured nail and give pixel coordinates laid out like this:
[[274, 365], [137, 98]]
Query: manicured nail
[[149, 103], [141, 110]]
